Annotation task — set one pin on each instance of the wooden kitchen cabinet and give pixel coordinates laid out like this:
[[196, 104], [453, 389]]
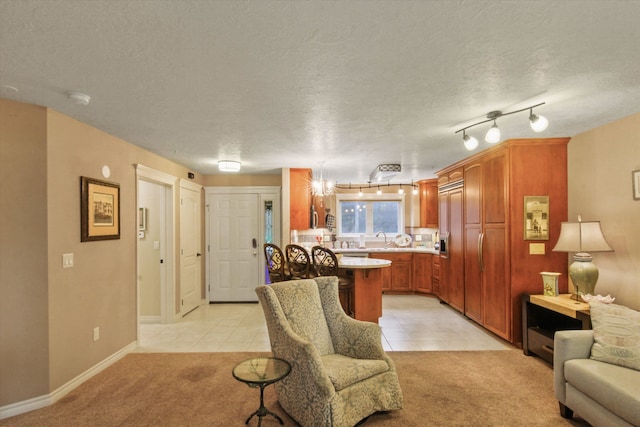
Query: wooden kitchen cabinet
[[435, 274], [397, 278], [428, 203], [498, 262], [423, 273], [451, 230], [300, 199]]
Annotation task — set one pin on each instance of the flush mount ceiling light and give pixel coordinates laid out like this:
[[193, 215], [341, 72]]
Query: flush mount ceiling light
[[79, 98], [384, 172], [537, 123], [228, 166]]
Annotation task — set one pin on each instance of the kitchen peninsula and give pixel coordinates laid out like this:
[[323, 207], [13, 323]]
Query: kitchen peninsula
[[367, 286]]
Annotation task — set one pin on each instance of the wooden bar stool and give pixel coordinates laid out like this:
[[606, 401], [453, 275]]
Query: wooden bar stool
[[326, 264]]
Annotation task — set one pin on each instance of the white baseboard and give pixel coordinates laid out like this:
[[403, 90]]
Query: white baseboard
[[150, 319], [46, 400]]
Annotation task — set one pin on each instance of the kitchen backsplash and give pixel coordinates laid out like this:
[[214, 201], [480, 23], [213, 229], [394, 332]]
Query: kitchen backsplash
[[421, 237]]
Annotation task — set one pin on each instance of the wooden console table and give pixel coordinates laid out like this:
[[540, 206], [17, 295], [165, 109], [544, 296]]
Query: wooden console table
[[542, 316]]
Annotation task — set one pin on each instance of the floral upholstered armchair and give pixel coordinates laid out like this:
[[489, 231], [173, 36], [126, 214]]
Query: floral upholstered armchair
[[340, 373]]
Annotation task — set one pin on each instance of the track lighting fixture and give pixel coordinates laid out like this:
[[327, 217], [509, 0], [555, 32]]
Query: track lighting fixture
[[470, 142], [538, 124], [414, 187]]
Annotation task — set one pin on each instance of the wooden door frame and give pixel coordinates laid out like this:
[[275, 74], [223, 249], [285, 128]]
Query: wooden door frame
[[167, 294]]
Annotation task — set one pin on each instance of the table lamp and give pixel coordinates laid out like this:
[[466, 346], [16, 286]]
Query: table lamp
[[582, 237]]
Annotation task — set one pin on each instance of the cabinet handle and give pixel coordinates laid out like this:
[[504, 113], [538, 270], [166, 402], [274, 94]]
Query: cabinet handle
[[480, 251], [547, 349]]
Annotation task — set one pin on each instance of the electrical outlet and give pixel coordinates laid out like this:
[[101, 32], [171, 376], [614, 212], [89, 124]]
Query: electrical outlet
[[96, 333]]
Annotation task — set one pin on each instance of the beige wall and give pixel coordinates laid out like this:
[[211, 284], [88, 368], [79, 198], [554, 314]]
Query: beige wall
[[151, 197], [235, 180], [24, 338], [48, 313], [600, 166]]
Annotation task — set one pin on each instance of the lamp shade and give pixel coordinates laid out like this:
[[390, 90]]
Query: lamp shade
[[582, 237]]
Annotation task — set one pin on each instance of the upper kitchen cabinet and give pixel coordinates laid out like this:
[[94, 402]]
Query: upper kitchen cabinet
[[428, 203], [300, 214]]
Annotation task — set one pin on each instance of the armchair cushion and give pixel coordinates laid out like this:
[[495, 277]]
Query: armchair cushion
[[300, 302], [344, 371], [616, 332]]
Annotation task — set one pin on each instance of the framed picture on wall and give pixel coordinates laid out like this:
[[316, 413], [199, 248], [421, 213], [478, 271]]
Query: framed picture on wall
[[99, 210], [636, 184], [536, 217]]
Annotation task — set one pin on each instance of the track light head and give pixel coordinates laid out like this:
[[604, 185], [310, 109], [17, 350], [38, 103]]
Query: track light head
[[538, 123], [493, 134], [470, 142]]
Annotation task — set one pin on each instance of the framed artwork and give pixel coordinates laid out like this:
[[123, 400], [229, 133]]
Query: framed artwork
[[636, 184], [99, 210], [536, 217]]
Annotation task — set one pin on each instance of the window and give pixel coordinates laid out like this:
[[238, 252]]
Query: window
[[369, 214]]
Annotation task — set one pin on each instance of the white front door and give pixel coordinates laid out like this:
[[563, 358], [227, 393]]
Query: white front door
[[190, 250], [234, 247]]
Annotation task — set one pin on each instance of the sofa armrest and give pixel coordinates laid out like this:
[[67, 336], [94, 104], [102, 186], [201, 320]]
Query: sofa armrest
[[568, 345]]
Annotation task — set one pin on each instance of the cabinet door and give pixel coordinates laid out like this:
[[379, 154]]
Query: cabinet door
[[429, 203], [422, 272], [456, 250], [401, 271], [494, 188], [472, 274], [496, 294], [300, 199], [385, 272], [435, 274], [473, 233]]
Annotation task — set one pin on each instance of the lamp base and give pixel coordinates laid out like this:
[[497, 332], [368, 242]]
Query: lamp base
[[584, 274]]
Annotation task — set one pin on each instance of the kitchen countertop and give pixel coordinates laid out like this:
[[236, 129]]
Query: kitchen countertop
[[387, 250], [362, 262]]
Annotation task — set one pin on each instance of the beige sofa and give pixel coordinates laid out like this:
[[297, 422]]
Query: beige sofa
[[603, 394]]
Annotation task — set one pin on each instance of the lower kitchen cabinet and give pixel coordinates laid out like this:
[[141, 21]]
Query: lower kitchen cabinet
[[399, 276], [422, 273]]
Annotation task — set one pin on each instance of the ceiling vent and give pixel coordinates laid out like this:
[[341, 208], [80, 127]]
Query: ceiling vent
[[385, 172]]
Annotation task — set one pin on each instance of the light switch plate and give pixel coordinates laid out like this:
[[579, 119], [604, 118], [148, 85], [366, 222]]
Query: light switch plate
[[67, 260], [536, 248]]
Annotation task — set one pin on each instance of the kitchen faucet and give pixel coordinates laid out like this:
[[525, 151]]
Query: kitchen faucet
[[386, 245]]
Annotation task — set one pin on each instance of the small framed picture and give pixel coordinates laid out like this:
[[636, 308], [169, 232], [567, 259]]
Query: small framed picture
[[99, 210], [536, 217], [636, 184]]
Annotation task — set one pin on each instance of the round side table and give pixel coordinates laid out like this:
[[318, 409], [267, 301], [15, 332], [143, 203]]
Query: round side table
[[260, 372]]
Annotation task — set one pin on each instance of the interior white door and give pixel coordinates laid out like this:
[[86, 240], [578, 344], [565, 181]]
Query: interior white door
[[190, 248], [235, 248]]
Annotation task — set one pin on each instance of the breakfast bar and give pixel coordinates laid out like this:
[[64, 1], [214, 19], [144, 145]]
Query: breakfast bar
[[367, 286]]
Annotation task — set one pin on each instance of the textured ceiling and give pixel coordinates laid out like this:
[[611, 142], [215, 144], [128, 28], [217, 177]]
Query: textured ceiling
[[346, 85]]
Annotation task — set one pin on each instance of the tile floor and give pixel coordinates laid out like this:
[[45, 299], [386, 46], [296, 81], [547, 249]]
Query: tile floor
[[409, 323]]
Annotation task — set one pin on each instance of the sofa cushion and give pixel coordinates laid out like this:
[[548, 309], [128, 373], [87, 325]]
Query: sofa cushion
[[616, 332], [612, 386], [344, 371]]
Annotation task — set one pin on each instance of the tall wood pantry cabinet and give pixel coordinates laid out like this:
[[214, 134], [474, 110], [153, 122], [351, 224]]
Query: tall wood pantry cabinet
[[499, 263]]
